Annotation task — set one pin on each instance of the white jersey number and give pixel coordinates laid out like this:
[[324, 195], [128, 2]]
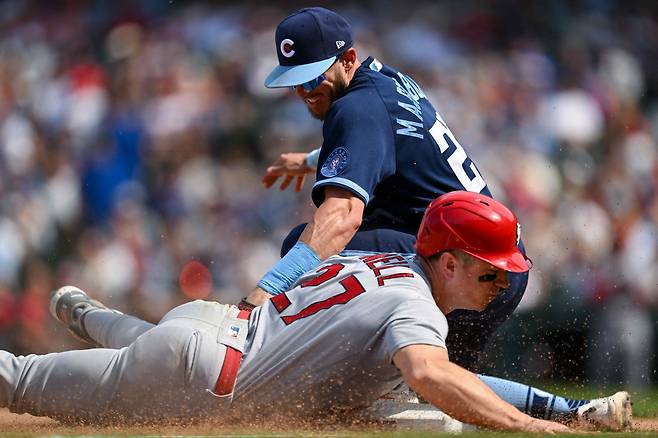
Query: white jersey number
[[446, 141]]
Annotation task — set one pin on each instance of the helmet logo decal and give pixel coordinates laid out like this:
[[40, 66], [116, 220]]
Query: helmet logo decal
[[518, 233], [286, 47]]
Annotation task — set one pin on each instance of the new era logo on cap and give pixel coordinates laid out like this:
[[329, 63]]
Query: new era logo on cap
[[340, 44]]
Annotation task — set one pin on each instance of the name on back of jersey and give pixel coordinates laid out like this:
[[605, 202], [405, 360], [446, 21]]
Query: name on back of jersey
[[381, 265], [409, 89]]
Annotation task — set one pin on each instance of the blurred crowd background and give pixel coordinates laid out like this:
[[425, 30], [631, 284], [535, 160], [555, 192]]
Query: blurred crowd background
[[134, 135]]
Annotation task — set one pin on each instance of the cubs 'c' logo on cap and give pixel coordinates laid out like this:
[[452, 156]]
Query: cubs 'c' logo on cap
[[286, 47]]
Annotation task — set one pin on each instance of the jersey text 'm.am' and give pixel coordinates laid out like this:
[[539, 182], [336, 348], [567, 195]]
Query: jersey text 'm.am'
[[409, 89]]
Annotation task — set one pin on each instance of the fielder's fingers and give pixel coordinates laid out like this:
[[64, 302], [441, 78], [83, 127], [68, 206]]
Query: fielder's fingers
[[269, 180], [300, 183], [286, 182], [276, 171]]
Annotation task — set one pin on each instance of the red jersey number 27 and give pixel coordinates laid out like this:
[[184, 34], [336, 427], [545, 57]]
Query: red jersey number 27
[[351, 289]]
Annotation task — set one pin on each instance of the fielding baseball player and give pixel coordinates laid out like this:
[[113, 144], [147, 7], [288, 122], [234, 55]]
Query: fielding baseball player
[[387, 153], [344, 335]]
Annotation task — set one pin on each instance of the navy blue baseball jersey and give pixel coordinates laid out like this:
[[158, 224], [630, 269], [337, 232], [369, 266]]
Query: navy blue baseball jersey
[[385, 142]]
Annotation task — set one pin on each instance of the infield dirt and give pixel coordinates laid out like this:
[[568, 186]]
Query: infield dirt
[[27, 425]]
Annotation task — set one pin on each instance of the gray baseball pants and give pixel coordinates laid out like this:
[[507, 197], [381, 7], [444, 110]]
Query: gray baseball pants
[[145, 372]]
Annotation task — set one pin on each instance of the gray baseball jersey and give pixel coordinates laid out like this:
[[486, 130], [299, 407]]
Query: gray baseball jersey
[[324, 346], [328, 343]]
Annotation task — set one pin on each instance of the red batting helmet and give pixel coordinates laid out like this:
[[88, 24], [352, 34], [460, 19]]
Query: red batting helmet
[[473, 223]]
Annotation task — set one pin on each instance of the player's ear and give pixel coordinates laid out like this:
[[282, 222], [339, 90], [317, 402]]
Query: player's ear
[[348, 59], [447, 264]]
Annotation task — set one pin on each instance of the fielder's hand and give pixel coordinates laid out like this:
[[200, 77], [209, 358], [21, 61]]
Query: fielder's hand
[[289, 166]]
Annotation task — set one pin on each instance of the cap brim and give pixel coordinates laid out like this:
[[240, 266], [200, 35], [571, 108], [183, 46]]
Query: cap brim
[[291, 76], [514, 262]]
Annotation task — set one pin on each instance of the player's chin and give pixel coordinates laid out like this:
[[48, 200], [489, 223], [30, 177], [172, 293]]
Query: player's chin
[[318, 106], [320, 115], [476, 306], [483, 305]]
